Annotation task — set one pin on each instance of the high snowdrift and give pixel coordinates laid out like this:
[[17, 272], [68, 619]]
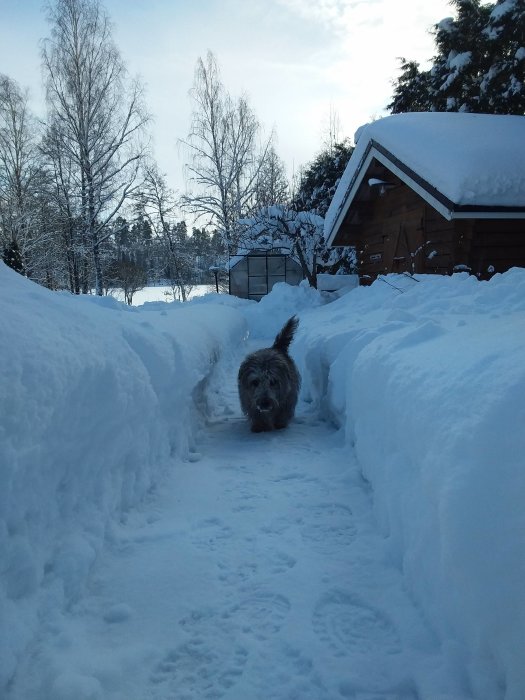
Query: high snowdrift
[[95, 400], [427, 378]]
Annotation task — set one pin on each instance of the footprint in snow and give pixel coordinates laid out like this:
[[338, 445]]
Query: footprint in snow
[[279, 562], [367, 647], [237, 574], [298, 484], [274, 562], [328, 527], [211, 534], [292, 672], [197, 670], [259, 615], [279, 525], [352, 628]]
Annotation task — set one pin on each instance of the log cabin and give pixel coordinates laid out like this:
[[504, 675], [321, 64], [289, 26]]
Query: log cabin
[[433, 193]]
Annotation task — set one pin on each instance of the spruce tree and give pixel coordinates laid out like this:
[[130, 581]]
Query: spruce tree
[[412, 90], [13, 257], [320, 179], [503, 84], [316, 189], [479, 64], [462, 56]]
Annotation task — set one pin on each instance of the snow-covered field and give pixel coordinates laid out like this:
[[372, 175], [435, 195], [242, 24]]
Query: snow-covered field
[[152, 547], [162, 293]]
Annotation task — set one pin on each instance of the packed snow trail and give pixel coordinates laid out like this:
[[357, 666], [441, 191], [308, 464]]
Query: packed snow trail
[[257, 573]]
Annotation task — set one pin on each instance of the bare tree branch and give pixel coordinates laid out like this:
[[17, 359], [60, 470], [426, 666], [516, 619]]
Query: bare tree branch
[[224, 159]]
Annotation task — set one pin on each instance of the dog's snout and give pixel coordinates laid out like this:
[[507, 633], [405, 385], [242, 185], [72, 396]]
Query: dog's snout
[[265, 405]]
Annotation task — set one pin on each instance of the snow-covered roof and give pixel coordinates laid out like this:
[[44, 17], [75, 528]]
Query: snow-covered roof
[[460, 163], [270, 251]]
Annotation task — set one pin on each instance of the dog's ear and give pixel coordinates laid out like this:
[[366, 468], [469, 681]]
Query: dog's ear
[[286, 334]]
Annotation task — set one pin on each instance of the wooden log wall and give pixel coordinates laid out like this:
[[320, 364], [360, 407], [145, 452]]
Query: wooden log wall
[[397, 231]]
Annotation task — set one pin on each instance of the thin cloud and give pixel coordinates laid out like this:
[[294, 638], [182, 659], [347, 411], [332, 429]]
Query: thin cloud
[[296, 59]]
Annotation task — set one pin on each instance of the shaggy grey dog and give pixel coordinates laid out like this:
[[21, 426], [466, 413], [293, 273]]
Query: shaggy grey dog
[[269, 383]]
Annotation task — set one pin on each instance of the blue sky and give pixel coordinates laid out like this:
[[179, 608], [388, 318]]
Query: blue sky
[[296, 59]]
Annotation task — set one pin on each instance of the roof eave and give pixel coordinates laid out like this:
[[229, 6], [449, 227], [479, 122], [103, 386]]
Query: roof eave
[[488, 212]]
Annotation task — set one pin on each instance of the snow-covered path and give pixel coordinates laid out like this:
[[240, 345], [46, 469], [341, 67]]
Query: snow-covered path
[[257, 573]]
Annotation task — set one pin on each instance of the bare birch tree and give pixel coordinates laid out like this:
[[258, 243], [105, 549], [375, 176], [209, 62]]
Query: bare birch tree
[[19, 171], [156, 202], [331, 131], [224, 157], [97, 113], [66, 220], [272, 184]]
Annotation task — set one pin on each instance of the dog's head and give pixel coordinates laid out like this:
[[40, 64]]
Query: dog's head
[[264, 379]]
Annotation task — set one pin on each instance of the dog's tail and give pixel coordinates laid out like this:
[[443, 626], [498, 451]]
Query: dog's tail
[[285, 335]]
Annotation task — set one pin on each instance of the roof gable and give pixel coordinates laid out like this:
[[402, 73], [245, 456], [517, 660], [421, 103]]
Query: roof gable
[[460, 163]]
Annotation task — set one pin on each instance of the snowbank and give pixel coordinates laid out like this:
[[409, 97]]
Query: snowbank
[[427, 379], [94, 403], [266, 317]]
